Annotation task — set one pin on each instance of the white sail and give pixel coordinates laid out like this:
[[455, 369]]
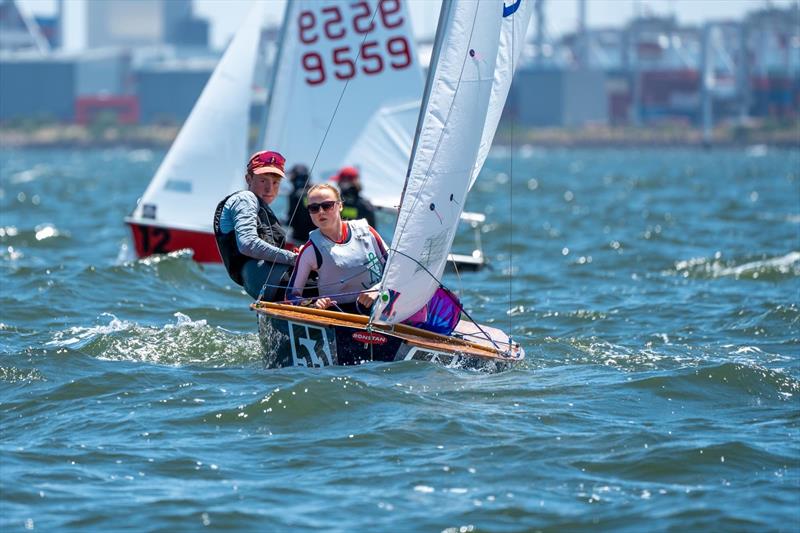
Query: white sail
[[339, 64], [381, 153], [512, 41], [447, 153], [207, 158]]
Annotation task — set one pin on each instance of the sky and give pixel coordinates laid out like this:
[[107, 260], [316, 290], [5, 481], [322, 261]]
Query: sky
[[226, 15]]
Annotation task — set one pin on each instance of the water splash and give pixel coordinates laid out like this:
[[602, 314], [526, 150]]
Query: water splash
[[186, 342]]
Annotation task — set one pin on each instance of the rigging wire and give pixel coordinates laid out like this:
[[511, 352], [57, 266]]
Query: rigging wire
[[442, 285], [511, 201], [324, 137]]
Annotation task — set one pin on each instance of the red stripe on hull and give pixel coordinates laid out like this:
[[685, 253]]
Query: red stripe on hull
[[149, 240]]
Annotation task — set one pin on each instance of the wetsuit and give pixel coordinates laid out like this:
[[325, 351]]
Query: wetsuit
[[250, 240]]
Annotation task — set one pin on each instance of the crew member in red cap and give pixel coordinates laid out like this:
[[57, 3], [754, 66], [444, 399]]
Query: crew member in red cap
[[249, 236], [354, 206]]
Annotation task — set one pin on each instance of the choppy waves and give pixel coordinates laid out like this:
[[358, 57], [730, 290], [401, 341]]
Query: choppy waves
[[655, 295]]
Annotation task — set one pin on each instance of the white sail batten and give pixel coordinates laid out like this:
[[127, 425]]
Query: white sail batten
[[447, 151], [206, 160], [512, 42], [328, 45]]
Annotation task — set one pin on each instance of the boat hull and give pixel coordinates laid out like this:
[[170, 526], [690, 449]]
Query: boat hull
[[292, 336], [152, 239]]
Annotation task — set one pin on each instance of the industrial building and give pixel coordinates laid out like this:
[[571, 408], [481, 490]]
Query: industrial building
[[148, 62], [52, 87], [167, 91], [139, 23], [542, 96], [658, 70]]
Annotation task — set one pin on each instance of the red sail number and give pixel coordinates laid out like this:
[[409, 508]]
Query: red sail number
[[343, 62]]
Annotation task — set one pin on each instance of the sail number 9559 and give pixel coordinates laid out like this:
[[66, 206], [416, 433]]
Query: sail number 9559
[[367, 56]]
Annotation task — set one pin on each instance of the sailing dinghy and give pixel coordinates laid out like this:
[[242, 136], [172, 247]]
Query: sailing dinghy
[[476, 48], [326, 46]]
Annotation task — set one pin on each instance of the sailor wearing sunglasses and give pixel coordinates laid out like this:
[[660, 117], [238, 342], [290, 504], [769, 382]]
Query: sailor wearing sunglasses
[[348, 256], [249, 236]]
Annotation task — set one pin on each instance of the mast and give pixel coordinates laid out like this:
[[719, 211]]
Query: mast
[[262, 132]]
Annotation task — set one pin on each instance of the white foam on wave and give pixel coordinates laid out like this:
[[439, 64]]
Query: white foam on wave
[[782, 264], [185, 341], [75, 335], [8, 231], [156, 259], [11, 254], [140, 156], [756, 150], [785, 264], [31, 174], [185, 321], [125, 254], [46, 231]]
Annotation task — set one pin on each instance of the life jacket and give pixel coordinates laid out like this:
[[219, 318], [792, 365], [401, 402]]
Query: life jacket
[[269, 229], [348, 267]]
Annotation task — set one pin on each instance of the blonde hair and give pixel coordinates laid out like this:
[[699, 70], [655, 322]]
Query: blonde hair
[[325, 186]]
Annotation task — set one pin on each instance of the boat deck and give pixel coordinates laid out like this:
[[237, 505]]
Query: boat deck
[[469, 339]]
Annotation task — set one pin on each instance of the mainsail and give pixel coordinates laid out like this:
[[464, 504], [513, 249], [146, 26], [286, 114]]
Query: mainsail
[[461, 108]]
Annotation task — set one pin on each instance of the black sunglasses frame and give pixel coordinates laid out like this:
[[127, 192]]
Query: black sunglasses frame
[[324, 206]]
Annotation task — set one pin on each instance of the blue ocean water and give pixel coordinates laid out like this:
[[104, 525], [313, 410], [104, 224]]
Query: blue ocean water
[[656, 293]]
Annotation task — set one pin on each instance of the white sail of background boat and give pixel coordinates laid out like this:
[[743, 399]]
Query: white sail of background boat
[[462, 103], [339, 65], [206, 159]]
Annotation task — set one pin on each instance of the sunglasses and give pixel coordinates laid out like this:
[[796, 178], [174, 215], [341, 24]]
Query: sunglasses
[[325, 206], [268, 158]]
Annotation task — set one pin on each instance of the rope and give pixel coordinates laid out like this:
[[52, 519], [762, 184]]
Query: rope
[[511, 202], [442, 285], [423, 267]]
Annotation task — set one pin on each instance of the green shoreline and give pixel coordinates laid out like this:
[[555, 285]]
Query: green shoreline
[[784, 135]]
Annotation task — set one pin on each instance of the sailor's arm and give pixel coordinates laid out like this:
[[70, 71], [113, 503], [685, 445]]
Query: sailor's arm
[[305, 264], [245, 221]]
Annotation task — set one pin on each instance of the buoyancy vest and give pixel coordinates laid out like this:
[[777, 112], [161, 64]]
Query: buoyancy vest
[[269, 229], [349, 267]]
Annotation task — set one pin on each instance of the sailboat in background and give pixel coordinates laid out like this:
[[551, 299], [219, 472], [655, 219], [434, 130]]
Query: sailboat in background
[[477, 46], [206, 159], [345, 90]]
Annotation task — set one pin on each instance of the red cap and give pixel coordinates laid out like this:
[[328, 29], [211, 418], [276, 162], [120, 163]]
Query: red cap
[[346, 174], [266, 162]]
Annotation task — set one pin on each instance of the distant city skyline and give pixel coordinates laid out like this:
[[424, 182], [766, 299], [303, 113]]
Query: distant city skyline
[[225, 16]]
